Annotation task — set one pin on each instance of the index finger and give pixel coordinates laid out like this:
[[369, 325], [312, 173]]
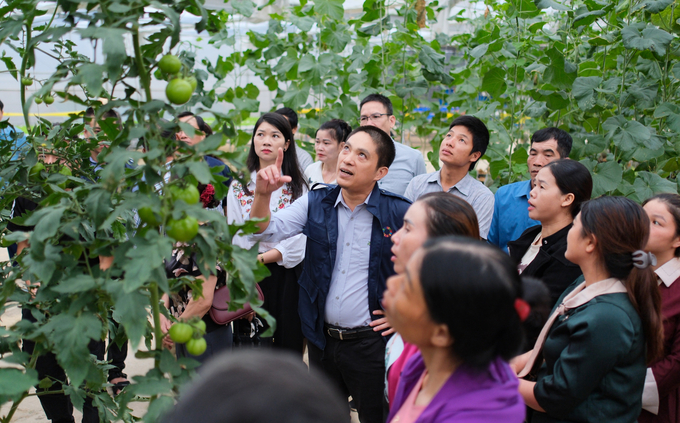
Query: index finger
[[279, 159]]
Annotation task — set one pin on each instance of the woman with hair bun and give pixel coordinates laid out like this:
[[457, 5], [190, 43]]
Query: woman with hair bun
[[560, 189], [661, 397], [465, 329], [330, 138], [607, 326]]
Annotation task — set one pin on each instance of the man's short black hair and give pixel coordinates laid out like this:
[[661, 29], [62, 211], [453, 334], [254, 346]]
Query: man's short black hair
[[480, 134], [2, 107], [384, 146], [380, 99], [562, 137], [290, 114]]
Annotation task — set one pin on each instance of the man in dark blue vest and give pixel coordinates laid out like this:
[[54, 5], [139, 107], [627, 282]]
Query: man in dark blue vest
[[347, 262]]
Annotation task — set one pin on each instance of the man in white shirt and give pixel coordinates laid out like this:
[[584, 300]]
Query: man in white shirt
[[376, 110]]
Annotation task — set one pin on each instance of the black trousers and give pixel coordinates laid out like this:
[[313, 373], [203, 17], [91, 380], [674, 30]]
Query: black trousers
[[116, 355], [357, 368], [58, 407], [281, 293]]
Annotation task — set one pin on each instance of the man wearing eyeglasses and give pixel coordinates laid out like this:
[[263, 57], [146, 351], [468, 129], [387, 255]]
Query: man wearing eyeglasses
[[376, 110]]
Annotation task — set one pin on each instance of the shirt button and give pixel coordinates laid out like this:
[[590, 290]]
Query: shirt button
[[337, 298], [351, 218], [347, 244], [343, 272]]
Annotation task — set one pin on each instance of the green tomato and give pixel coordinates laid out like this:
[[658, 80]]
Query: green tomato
[[181, 332], [193, 82], [178, 91], [34, 173], [188, 194], [66, 172], [200, 326], [170, 64], [48, 99], [197, 346], [148, 216], [182, 230], [38, 100], [27, 81]]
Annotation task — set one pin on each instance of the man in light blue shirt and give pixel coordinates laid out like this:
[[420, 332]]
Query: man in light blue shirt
[[347, 262], [510, 212], [459, 151], [376, 110], [9, 133]]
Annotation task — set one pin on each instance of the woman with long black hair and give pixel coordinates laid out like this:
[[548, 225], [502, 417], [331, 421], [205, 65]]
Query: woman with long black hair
[[283, 259]]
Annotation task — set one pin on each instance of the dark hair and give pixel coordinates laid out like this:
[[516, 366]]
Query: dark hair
[[672, 202], [480, 134], [380, 99], [202, 126], [478, 304], [621, 227], [537, 295], [2, 106], [340, 129], [572, 177], [290, 163], [449, 215], [277, 387], [108, 114], [384, 146], [563, 139], [290, 115]]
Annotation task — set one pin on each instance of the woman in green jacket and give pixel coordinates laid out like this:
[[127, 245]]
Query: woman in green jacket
[[606, 326]]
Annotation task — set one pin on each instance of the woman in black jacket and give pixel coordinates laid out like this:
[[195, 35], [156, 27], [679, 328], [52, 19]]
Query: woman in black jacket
[[555, 200]]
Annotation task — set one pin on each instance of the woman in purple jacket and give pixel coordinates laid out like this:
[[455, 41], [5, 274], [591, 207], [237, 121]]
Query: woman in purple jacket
[[458, 301]]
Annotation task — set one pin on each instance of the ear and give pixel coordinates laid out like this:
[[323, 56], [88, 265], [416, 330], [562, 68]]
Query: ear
[[591, 243], [676, 242], [567, 200], [441, 337], [393, 121], [285, 146], [475, 156], [294, 130], [380, 173]]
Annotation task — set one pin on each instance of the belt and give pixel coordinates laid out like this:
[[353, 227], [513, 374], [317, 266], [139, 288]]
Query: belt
[[345, 334]]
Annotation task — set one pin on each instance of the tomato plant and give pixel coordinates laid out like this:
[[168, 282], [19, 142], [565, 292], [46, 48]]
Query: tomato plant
[[178, 91], [170, 64], [189, 193]]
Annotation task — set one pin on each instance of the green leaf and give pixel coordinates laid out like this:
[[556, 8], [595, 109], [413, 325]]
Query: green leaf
[[653, 6], [606, 177], [98, 205], [545, 4], [243, 7], [645, 36], [494, 82], [583, 91], [14, 382], [587, 17], [130, 311], [46, 221], [304, 23], [559, 73], [113, 47], [76, 284], [433, 61], [332, 8], [626, 134], [647, 184], [672, 114], [535, 109]]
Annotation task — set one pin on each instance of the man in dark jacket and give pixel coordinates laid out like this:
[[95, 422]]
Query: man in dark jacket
[[347, 262]]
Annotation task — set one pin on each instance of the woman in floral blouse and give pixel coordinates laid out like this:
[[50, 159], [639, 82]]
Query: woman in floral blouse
[[283, 259]]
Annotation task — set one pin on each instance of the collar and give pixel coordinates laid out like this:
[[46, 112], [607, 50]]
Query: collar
[[341, 200], [669, 272], [524, 189], [463, 186]]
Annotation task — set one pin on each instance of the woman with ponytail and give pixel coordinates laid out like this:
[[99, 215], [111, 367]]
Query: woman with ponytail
[[465, 328], [606, 326], [661, 397]]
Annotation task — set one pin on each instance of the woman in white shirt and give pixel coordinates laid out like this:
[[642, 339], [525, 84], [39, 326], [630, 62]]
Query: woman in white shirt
[[283, 259], [330, 138]]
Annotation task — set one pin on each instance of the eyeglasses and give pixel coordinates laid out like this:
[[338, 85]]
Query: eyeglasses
[[374, 117]]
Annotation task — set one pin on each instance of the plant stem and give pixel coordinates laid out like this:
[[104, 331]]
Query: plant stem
[[22, 72], [156, 312], [141, 70]]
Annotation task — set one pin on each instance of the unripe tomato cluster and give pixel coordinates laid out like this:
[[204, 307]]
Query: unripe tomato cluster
[[180, 87], [191, 334], [182, 230]]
